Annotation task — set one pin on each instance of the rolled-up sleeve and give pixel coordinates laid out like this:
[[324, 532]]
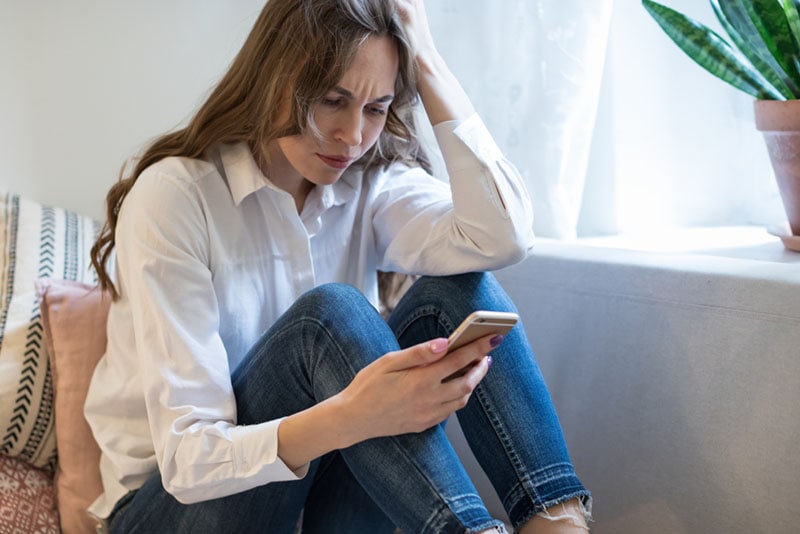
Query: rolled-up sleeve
[[482, 220]]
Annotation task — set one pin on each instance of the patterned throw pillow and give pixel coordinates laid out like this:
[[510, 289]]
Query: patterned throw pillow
[[35, 241]]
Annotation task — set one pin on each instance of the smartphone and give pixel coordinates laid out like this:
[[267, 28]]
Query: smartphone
[[481, 323]]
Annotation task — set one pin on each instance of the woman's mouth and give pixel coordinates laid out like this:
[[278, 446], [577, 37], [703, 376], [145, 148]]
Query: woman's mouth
[[337, 162]]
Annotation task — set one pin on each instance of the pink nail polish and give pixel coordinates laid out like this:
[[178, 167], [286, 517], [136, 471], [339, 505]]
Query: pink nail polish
[[438, 345], [495, 341]]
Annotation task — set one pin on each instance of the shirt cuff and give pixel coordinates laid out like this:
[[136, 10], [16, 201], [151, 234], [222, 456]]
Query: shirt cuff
[[256, 454], [462, 141]]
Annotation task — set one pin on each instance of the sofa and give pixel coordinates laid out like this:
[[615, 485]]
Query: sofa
[[675, 375], [675, 371]]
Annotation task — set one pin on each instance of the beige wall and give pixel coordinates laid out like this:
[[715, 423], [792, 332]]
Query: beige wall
[[84, 84]]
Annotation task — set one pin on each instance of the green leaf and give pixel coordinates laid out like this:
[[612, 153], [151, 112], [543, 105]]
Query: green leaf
[[710, 51], [770, 20], [744, 34], [790, 8]]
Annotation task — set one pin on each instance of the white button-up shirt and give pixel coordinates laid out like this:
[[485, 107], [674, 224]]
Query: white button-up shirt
[[210, 254]]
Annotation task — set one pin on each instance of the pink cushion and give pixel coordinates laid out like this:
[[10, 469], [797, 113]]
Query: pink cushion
[[27, 502], [74, 316]]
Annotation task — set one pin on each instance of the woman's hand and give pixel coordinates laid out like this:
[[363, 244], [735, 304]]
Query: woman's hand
[[415, 20], [443, 97], [406, 391]]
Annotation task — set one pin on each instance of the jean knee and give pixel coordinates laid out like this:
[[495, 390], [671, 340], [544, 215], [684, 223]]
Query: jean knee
[[467, 292], [335, 300], [343, 312]]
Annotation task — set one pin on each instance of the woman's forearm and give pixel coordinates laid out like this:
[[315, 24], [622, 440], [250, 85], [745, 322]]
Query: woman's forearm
[[314, 432], [441, 93]]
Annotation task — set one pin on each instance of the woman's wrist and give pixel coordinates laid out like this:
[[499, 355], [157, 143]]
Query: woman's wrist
[[314, 432], [344, 425], [441, 93]]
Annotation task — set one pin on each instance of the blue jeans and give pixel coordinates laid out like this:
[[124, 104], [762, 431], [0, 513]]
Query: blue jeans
[[413, 481]]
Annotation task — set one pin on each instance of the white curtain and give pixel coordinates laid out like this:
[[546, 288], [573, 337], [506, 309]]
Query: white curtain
[[683, 149], [612, 126], [533, 69]]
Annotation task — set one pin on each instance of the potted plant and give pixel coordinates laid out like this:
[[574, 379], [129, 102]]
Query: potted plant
[[763, 60]]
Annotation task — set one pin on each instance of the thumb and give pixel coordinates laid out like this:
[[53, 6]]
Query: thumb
[[419, 355]]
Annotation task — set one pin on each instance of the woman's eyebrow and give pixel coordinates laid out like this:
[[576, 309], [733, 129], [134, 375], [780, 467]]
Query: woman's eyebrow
[[347, 94]]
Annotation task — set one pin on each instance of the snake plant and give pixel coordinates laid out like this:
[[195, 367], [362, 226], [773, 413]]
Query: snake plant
[[762, 56]]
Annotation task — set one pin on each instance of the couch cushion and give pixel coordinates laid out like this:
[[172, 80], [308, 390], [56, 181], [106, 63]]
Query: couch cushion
[[74, 316], [35, 241], [27, 502]]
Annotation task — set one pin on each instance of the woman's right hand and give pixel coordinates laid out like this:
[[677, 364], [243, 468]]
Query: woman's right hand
[[405, 391]]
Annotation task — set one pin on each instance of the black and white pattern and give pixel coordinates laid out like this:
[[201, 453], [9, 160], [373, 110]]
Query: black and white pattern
[[35, 242]]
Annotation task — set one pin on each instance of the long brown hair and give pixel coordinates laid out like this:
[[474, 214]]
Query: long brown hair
[[296, 51]]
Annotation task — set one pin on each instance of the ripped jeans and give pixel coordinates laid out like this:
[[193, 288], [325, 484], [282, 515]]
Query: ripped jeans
[[413, 481]]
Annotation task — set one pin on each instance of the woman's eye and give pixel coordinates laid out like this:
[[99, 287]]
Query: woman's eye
[[377, 111], [332, 102]]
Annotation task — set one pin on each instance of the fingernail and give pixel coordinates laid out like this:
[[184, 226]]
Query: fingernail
[[488, 361], [438, 346], [495, 341]]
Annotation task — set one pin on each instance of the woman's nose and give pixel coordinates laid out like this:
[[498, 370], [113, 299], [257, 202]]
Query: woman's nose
[[349, 131]]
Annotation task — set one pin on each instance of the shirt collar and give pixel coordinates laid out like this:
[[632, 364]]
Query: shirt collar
[[341, 192], [241, 171], [245, 177]]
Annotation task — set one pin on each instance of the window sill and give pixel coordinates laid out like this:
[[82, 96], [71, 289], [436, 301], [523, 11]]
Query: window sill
[[737, 242]]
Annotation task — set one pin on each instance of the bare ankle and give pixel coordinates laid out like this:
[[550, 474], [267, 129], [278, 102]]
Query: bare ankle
[[567, 517]]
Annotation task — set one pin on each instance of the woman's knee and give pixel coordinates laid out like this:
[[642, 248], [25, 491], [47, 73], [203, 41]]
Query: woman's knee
[[341, 313], [435, 305], [464, 292], [334, 300]]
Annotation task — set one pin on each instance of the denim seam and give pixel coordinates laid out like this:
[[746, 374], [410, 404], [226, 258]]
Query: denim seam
[[435, 521], [511, 455], [557, 471]]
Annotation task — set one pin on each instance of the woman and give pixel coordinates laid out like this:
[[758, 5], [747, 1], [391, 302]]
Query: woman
[[248, 376]]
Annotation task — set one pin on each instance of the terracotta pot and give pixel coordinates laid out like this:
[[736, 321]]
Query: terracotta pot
[[779, 121]]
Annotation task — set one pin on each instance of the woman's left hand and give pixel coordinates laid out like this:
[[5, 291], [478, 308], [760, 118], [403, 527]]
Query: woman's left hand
[[415, 19], [443, 97]]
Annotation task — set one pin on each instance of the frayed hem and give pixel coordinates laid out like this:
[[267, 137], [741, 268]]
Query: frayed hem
[[559, 512], [497, 526]]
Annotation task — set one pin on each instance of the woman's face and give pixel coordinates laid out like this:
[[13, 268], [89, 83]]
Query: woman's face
[[350, 118]]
